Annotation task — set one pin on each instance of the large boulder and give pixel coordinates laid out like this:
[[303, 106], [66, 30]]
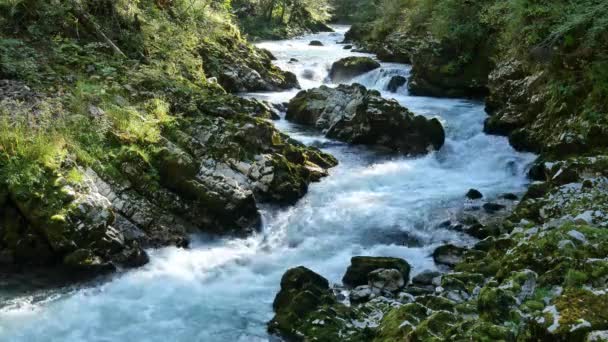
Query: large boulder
[[240, 67], [302, 293], [353, 114], [362, 271], [349, 67]]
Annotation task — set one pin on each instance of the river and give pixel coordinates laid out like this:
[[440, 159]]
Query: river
[[371, 204]]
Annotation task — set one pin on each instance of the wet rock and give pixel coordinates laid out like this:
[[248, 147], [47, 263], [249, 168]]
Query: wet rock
[[84, 260], [302, 293], [480, 231], [349, 67], [449, 255], [347, 47], [386, 280], [395, 83], [268, 54], [308, 74], [361, 266], [426, 277], [474, 194], [509, 197], [362, 294], [353, 114], [419, 290], [491, 208], [133, 256], [315, 43]]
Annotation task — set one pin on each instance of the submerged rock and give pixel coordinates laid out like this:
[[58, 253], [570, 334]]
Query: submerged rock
[[474, 194], [349, 67], [315, 43], [395, 83], [353, 114]]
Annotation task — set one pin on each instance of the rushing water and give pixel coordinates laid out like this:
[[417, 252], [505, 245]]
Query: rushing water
[[371, 204]]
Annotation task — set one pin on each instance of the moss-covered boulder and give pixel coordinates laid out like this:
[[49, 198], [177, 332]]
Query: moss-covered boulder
[[350, 67], [302, 293], [361, 266], [239, 66], [353, 114]]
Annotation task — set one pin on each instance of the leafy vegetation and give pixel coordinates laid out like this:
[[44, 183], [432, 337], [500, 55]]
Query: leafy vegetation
[[272, 19]]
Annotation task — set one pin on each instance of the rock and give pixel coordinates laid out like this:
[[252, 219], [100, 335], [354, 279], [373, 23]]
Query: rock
[[474, 194], [509, 197], [84, 260], [353, 114], [491, 208], [315, 43], [349, 67], [396, 48], [495, 303], [293, 60], [481, 232], [308, 74], [362, 294], [302, 292], [356, 32], [347, 47], [395, 83], [580, 237], [268, 54], [361, 266], [449, 255], [134, 256], [386, 280], [239, 67], [426, 277]]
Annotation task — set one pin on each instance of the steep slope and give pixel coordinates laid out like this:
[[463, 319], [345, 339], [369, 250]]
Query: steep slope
[[114, 135]]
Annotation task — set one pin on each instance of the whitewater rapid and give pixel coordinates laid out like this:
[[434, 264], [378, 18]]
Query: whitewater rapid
[[371, 204]]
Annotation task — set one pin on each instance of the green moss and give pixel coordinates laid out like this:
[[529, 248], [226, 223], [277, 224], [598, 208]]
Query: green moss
[[400, 321], [435, 328], [577, 304], [495, 304]]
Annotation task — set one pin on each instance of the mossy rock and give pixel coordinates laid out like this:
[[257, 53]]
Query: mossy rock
[[303, 294], [400, 321], [495, 304], [84, 260], [449, 254], [435, 328], [349, 67], [482, 331], [361, 266], [434, 302]]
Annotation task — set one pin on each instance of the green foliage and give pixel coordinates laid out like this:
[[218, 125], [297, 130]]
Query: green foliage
[[277, 19], [17, 60]]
